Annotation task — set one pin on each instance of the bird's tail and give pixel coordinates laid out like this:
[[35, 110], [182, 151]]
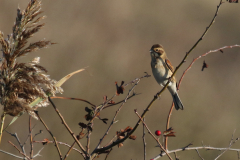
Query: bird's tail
[[177, 102]]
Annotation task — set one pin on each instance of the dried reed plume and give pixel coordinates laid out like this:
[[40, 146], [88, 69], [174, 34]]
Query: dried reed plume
[[21, 83]]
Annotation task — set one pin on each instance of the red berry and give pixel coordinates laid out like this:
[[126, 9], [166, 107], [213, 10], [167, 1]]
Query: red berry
[[158, 133]]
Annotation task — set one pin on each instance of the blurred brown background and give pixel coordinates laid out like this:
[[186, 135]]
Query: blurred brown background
[[113, 38]]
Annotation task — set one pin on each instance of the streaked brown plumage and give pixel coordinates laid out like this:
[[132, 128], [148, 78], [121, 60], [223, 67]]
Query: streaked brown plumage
[[162, 70]]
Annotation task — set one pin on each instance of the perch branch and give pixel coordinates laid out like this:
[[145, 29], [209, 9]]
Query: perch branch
[[201, 38]]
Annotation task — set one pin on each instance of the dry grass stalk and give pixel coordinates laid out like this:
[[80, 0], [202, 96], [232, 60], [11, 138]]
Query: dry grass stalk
[[21, 83]]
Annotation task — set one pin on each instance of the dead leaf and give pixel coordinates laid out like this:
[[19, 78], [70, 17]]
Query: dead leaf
[[169, 133], [83, 125], [120, 145], [133, 137], [120, 88], [45, 141], [205, 65]]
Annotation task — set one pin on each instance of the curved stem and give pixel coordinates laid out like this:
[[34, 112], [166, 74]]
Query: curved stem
[[204, 33], [167, 126]]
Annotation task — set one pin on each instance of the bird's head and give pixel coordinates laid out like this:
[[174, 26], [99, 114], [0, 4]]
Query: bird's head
[[157, 51]]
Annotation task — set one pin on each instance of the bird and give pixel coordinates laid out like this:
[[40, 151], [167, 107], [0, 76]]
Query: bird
[[162, 70]]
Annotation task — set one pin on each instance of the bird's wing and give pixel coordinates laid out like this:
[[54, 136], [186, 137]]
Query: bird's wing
[[169, 65]]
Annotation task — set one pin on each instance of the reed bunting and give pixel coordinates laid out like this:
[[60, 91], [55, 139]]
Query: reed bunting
[[162, 70]]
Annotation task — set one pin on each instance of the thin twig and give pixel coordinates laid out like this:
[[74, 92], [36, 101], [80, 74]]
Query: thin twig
[[124, 86], [187, 146], [88, 139], [99, 108], [230, 145], [68, 128], [203, 55], [79, 99], [204, 33], [113, 120], [199, 154], [108, 154], [18, 140], [12, 154], [110, 141], [54, 138], [198, 148], [31, 137], [136, 79], [37, 134], [110, 105], [70, 149], [38, 153], [131, 82], [62, 143], [19, 150], [153, 135], [175, 154], [167, 126], [144, 141]]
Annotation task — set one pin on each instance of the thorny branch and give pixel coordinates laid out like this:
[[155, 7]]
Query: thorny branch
[[201, 38]]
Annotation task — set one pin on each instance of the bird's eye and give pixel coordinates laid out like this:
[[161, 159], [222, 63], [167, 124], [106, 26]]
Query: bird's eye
[[156, 50]]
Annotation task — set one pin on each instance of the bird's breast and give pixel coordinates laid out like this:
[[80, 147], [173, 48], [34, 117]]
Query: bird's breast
[[160, 71]]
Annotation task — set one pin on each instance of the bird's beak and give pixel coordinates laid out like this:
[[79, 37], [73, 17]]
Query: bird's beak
[[150, 50]]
